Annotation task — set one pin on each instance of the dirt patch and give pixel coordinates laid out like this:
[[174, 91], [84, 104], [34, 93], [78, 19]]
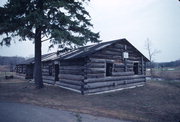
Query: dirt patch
[[156, 101]]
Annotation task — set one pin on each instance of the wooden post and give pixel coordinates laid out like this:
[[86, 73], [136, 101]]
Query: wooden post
[[85, 75], [85, 68], [142, 65], [125, 62], [145, 71]]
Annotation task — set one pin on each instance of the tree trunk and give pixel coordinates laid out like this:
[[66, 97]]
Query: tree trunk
[[37, 68]]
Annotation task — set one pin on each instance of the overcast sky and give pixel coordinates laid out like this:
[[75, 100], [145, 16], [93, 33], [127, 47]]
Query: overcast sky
[[135, 20]]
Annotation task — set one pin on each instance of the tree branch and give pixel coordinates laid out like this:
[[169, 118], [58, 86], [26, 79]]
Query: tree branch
[[42, 37], [45, 40]]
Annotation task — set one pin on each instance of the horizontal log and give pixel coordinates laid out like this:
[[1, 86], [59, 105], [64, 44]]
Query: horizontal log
[[130, 65], [48, 77], [71, 63], [112, 83], [100, 75], [88, 91], [77, 70], [119, 65], [130, 70], [129, 61], [95, 70], [71, 77], [95, 65], [99, 60], [102, 56], [45, 70], [134, 58], [131, 48], [96, 60], [115, 49], [69, 85], [117, 57], [73, 82], [73, 72], [119, 69], [105, 56], [111, 52], [46, 67], [133, 53], [48, 81], [122, 73], [96, 90], [120, 46], [98, 85], [135, 80], [72, 67], [46, 74], [112, 78]]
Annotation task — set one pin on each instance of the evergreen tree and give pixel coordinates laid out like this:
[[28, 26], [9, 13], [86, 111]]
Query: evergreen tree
[[62, 22]]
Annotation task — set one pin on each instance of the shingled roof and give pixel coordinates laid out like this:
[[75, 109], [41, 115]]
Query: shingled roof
[[45, 57], [80, 52], [88, 50]]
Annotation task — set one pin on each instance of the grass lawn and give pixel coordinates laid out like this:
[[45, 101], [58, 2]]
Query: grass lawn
[[156, 101]]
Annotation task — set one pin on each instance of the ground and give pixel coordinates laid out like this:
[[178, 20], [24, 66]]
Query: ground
[[170, 73], [156, 101]]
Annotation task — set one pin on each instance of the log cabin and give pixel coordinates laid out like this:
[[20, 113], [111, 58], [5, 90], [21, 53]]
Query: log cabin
[[99, 68], [25, 69], [102, 67]]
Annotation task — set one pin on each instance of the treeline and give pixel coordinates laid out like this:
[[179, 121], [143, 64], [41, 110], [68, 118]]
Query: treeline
[[165, 64], [4, 60]]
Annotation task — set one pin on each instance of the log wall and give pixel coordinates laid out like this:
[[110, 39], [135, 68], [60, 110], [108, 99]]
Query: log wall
[[48, 73], [71, 74], [122, 71], [21, 71]]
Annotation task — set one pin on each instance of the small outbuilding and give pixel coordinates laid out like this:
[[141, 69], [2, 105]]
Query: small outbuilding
[[25, 69]]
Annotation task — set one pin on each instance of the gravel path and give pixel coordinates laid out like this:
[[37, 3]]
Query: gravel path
[[18, 112]]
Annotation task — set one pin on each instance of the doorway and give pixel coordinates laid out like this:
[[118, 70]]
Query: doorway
[[135, 68], [109, 68], [56, 72]]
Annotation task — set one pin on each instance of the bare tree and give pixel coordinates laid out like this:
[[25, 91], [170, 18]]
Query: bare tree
[[151, 53]]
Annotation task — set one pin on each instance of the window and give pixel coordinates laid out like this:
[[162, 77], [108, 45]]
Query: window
[[109, 68], [135, 68]]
